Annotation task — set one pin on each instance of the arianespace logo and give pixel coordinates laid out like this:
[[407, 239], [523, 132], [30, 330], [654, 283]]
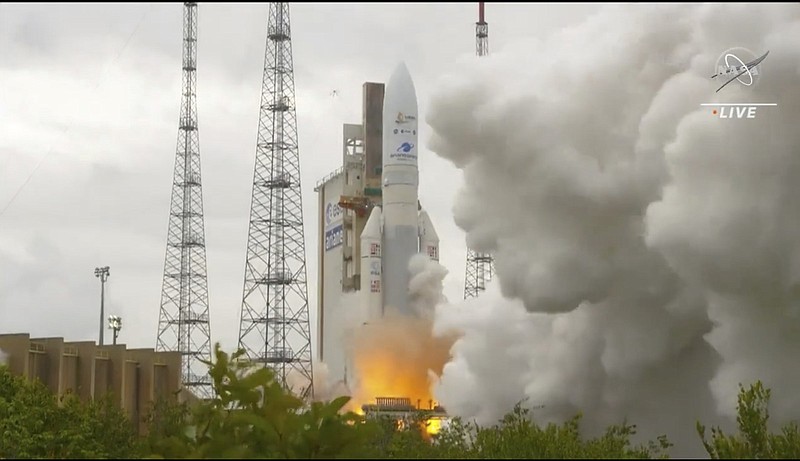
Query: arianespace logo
[[403, 118], [405, 148], [332, 212]]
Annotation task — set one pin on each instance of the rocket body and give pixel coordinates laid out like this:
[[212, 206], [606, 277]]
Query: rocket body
[[404, 229]]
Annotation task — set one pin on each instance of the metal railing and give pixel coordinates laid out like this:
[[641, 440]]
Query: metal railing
[[327, 178]]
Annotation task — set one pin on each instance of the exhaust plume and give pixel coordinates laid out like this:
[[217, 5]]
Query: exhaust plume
[[398, 355], [646, 250]]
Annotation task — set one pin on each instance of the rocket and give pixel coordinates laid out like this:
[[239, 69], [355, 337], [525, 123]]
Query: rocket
[[400, 228]]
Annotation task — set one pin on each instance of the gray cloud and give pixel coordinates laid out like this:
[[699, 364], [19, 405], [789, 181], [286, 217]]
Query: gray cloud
[[647, 246]]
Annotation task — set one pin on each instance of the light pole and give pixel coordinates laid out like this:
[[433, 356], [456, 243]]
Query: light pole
[[115, 324], [102, 273]]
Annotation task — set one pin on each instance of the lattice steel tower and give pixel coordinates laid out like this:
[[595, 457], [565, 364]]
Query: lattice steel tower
[[480, 266], [183, 323], [274, 329]]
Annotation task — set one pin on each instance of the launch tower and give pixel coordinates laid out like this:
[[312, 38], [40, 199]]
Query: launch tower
[[274, 328], [183, 323]]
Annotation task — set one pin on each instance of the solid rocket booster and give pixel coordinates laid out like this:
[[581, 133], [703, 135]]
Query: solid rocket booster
[[371, 265], [400, 230]]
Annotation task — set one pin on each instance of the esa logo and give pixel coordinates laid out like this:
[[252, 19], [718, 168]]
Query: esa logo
[[332, 212]]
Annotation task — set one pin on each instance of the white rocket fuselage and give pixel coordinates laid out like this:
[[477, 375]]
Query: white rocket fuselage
[[399, 230]]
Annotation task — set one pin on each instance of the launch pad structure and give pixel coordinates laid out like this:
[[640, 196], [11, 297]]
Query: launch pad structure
[[346, 198], [401, 410]]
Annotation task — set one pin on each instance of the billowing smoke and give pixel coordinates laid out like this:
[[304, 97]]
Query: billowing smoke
[[398, 355], [647, 251], [344, 320]]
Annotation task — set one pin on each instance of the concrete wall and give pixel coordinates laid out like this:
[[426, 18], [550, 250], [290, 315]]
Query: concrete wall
[[372, 120], [136, 377], [330, 275]]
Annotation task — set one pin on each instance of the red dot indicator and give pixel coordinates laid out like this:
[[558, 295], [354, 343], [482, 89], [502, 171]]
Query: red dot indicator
[[714, 111]]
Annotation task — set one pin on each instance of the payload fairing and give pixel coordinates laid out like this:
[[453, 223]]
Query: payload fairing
[[401, 229]]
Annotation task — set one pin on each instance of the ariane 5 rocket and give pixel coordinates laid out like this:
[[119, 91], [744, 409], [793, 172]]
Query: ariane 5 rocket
[[400, 229]]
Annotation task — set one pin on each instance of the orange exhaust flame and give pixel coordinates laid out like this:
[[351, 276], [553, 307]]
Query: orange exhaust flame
[[395, 357]]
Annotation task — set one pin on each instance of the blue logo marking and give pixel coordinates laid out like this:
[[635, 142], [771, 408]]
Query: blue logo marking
[[405, 147]]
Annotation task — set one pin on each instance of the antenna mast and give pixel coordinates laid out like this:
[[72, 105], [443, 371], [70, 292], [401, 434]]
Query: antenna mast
[[183, 323], [274, 328]]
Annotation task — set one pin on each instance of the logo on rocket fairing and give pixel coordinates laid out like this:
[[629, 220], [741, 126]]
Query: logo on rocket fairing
[[405, 147], [403, 118], [405, 152]]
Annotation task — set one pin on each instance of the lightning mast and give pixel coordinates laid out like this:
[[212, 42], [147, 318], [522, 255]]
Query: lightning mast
[[274, 324], [481, 33], [183, 323], [479, 266]]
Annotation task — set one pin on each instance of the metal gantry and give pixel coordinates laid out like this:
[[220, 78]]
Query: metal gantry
[[480, 266], [274, 329], [183, 323]]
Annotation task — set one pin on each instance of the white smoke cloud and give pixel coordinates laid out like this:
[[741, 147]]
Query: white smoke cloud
[[426, 285], [647, 249], [342, 321]]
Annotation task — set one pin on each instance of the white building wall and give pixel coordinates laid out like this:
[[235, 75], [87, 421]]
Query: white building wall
[[330, 309]]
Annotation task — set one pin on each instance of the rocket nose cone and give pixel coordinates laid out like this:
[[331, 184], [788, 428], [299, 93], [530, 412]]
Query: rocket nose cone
[[401, 76], [401, 69]]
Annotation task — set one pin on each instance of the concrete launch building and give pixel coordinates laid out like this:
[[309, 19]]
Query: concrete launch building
[[370, 220]]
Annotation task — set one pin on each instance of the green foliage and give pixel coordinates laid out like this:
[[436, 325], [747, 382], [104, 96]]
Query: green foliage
[[252, 416], [35, 424], [166, 429], [517, 436], [754, 439]]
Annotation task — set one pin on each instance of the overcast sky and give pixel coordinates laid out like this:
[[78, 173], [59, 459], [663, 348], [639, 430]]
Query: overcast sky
[[90, 94]]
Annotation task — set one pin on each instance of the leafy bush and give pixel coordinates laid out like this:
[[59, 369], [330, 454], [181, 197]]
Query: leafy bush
[[754, 439], [252, 416], [35, 424]]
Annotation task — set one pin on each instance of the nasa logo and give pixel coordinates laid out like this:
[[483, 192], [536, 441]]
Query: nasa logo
[[403, 118], [740, 64], [405, 147]]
